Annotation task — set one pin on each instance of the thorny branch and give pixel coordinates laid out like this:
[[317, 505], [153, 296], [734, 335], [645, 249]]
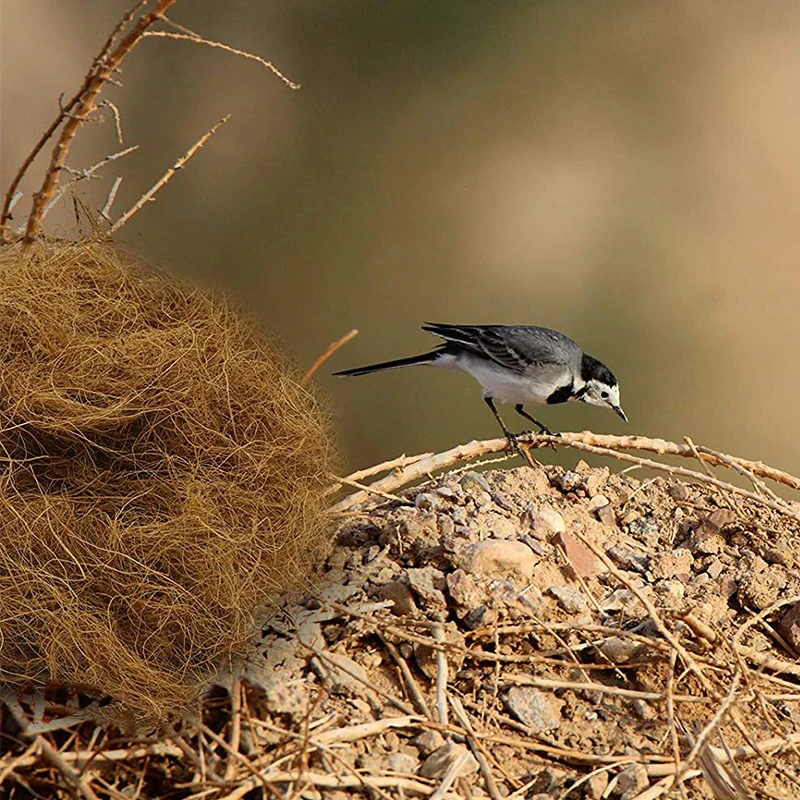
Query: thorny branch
[[85, 102], [76, 111]]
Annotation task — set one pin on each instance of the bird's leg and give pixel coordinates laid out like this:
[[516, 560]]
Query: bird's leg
[[512, 439], [542, 428]]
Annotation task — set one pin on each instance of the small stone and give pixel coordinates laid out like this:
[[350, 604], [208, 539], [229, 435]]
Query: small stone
[[545, 521], [598, 501], [540, 712], [619, 599], [424, 580], [582, 560], [476, 618], [392, 741], [439, 761], [500, 558], [464, 589], [445, 491], [401, 596], [620, 650], [570, 599], [628, 559], [715, 568], [548, 782], [789, 625], [678, 491], [630, 516], [606, 515], [646, 530], [572, 481], [632, 781], [596, 785], [402, 763], [643, 710], [340, 674], [428, 741], [473, 483], [595, 481]]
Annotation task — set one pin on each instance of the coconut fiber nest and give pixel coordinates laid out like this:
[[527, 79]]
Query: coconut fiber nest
[[161, 471]]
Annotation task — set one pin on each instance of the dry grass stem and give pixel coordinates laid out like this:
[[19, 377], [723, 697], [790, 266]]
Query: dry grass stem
[[329, 351], [150, 194]]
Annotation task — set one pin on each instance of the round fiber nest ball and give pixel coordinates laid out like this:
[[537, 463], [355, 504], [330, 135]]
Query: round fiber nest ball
[[161, 473]]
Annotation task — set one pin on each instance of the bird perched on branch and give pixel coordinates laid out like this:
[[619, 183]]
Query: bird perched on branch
[[517, 364]]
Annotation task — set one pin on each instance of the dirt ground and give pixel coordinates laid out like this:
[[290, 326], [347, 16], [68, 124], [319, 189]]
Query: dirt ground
[[530, 633]]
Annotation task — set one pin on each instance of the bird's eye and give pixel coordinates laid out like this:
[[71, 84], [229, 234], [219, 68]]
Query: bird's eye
[[604, 395]]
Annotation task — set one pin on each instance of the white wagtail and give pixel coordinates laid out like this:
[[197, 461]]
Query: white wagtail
[[517, 364]]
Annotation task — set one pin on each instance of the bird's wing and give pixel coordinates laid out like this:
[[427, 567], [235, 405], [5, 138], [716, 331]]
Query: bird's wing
[[519, 348]]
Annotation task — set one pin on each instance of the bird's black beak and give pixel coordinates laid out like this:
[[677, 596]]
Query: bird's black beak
[[620, 412]]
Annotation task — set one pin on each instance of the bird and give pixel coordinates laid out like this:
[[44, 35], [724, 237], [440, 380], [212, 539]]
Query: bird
[[516, 364]]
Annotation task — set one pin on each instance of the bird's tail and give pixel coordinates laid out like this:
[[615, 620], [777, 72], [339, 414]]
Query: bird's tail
[[425, 358]]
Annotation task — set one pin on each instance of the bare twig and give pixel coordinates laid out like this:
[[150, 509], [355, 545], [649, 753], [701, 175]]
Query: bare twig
[[477, 750], [85, 174], [612, 446], [73, 778], [106, 210], [441, 677], [77, 112], [187, 35], [167, 176], [330, 350], [117, 118]]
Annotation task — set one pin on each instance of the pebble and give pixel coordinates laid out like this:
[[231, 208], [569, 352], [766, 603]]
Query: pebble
[[473, 482], [678, 491], [534, 708], [440, 760], [789, 625], [569, 598], [428, 741], [424, 580], [582, 560], [631, 781], [618, 600], [401, 596], [340, 674], [598, 501], [500, 558], [572, 481], [620, 650], [596, 785], [402, 763], [607, 516], [545, 521], [627, 558]]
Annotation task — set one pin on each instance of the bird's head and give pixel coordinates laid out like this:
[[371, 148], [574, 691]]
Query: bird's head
[[601, 387]]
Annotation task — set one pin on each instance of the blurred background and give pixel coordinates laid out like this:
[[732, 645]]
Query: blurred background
[[626, 173]]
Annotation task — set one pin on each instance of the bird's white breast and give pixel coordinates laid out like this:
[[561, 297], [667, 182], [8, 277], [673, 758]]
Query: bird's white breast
[[503, 384]]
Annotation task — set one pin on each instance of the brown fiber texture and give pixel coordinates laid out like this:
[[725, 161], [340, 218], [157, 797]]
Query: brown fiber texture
[[161, 472]]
